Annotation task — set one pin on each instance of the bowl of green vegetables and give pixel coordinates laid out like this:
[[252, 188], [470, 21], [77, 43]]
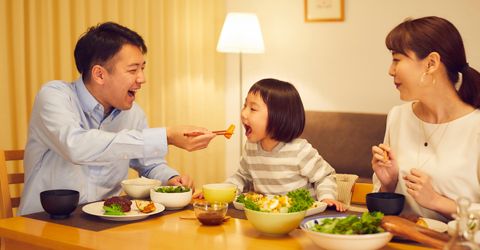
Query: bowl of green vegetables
[[277, 215], [172, 197], [347, 232]]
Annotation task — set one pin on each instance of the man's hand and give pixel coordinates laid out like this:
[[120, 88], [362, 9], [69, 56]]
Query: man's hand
[[176, 136], [183, 180]]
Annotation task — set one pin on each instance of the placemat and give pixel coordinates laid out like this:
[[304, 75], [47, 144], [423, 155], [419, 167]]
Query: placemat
[[79, 219], [85, 221]]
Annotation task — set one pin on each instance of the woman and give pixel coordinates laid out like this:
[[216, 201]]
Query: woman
[[432, 143]]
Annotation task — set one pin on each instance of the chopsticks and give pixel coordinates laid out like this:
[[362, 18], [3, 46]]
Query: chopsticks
[[227, 132], [217, 132]]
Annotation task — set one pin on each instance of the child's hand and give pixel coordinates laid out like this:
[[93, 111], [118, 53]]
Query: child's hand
[[339, 206]]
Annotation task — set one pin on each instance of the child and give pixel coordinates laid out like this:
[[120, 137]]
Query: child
[[276, 160]]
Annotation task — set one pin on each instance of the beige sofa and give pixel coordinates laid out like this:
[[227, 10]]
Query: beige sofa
[[345, 141]]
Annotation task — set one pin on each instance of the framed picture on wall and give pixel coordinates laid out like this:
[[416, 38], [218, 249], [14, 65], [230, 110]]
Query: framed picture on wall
[[324, 10]]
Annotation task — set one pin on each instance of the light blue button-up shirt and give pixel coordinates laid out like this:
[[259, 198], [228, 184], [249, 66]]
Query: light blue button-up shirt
[[72, 146]]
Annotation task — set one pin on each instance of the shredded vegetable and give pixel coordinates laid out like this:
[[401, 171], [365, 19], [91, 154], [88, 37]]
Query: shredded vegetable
[[294, 201], [368, 223]]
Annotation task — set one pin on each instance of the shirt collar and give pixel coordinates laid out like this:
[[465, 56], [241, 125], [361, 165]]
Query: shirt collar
[[89, 104]]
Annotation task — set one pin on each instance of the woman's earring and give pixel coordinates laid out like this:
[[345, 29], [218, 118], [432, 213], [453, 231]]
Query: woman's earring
[[422, 78]]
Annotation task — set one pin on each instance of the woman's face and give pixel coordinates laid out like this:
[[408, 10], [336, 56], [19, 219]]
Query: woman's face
[[407, 71], [255, 118]]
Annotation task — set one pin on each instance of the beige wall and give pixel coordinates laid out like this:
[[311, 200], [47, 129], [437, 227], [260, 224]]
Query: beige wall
[[340, 66]]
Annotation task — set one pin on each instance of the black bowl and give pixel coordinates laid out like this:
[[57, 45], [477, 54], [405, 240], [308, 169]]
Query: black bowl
[[59, 203], [385, 202]]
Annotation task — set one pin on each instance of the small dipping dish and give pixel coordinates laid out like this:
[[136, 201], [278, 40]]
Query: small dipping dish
[[210, 213]]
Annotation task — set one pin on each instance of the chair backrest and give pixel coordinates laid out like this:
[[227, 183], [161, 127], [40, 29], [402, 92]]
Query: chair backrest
[[6, 179], [345, 140]]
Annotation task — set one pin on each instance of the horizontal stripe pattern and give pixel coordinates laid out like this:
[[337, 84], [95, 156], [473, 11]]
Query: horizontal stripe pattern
[[287, 167]]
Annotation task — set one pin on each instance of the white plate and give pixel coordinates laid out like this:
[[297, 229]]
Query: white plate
[[319, 207], [96, 209], [436, 225]]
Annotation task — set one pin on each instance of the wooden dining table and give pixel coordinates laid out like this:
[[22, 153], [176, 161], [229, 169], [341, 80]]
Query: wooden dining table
[[166, 230]]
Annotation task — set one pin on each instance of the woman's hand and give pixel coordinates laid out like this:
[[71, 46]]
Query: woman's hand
[[339, 206], [384, 165], [419, 186]]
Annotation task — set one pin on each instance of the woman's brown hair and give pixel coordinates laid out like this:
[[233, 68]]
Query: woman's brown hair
[[430, 34]]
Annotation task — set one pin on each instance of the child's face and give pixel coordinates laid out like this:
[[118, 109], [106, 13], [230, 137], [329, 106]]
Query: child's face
[[255, 118]]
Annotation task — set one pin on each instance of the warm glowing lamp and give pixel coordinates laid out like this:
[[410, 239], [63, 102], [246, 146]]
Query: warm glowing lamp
[[241, 34]]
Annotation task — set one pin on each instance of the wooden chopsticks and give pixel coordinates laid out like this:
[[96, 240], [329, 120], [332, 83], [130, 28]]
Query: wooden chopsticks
[[217, 132], [227, 132]]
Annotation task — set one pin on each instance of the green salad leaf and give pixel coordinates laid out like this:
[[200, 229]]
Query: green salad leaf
[[251, 205], [240, 198], [170, 189], [301, 200], [114, 209], [368, 223]]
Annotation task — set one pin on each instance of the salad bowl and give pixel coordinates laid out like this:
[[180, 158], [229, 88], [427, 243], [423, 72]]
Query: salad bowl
[[274, 224], [277, 214], [316, 208], [339, 241], [172, 197]]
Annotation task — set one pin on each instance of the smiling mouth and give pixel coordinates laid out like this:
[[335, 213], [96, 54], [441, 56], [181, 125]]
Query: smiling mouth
[[132, 93]]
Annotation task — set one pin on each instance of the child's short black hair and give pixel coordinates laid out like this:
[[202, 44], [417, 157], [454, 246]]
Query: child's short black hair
[[286, 115]]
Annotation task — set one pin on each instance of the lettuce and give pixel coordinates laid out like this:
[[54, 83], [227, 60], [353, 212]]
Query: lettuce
[[301, 200], [368, 223], [114, 209]]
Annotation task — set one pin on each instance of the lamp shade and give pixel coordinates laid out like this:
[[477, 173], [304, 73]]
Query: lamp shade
[[241, 33]]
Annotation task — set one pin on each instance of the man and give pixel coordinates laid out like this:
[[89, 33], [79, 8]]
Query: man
[[84, 135]]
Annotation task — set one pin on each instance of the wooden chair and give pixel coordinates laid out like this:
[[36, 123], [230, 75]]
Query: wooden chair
[[7, 202]]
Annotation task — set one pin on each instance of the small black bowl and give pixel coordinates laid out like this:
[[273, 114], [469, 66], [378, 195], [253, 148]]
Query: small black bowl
[[59, 203], [385, 202]]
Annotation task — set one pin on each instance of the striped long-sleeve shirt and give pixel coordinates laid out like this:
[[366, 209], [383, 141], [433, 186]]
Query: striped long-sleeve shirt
[[287, 167]]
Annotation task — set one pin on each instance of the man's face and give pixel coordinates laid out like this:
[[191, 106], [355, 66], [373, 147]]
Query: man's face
[[124, 76]]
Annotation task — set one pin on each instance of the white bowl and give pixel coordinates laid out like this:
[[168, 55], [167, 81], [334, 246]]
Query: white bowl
[[171, 201], [344, 242], [139, 188], [275, 224]]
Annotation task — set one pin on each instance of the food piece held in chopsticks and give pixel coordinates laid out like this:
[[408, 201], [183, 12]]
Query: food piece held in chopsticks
[[229, 131]]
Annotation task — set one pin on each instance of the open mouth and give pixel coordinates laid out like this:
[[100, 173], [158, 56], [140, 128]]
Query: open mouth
[[132, 92], [248, 129]]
